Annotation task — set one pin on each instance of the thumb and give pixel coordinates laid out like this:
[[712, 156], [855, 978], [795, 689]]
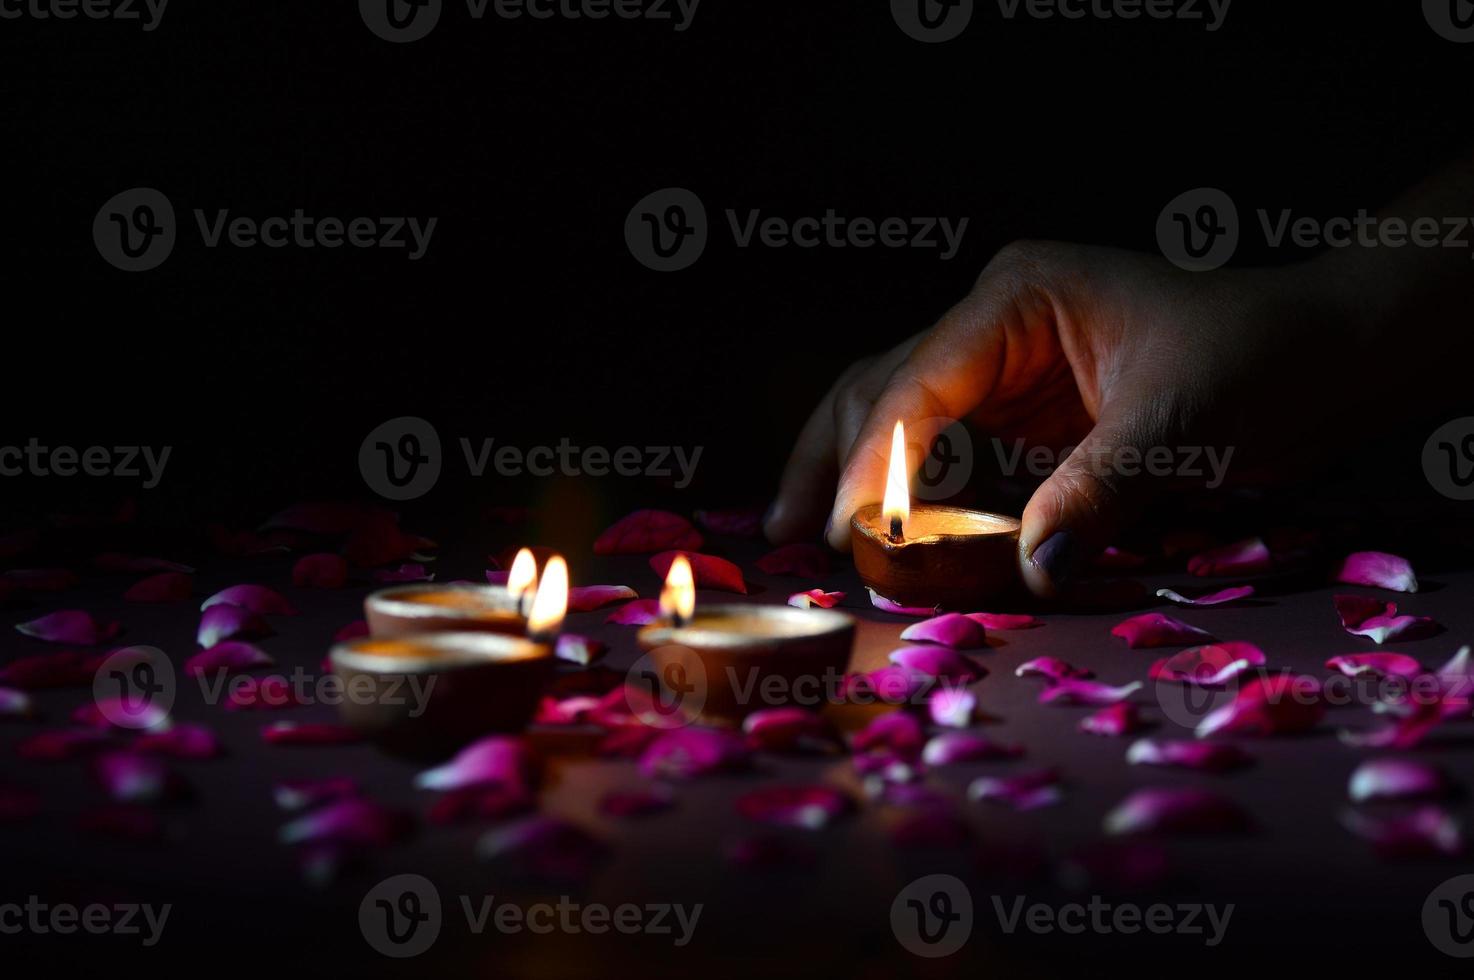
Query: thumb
[[1093, 494]]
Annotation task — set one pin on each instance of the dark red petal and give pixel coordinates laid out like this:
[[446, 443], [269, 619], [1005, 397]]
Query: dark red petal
[[648, 531], [1158, 810], [1248, 557], [303, 733], [257, 598], [1093, 693], [66, 668], [180, 741], [641, 612], [1397, 779], [898, 731], [352, 820], [1158, 630], [63, 746], [1052, 669], [789, 730], [1375, 665], [1208, 666], [1114, 721], [1026, 791], [71, 626], [320, 571], [231, 656], [950, 748], [1211, 599], [740, 522], [816, 597], [590, 597], [710, 571], [685, 753], [1004, 621], [807, 807], [128, 777], [354, 630], [1428, 831], [768, 851], [799, 560], [246, 693], [636, 803], [1280, 704], [163, 587], [937, 662], [379, 541], [482, 803], [1207, 756], [544, 846]]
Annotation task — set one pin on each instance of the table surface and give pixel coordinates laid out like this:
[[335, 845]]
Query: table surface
[[1302, 887]]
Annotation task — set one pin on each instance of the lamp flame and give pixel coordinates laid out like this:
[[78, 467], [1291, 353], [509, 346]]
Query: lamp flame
[[897, 505], [522, 580], [550, 604], [678, 598]]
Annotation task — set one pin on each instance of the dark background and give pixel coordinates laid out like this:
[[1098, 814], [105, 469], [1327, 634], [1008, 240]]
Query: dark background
[[529, 320]]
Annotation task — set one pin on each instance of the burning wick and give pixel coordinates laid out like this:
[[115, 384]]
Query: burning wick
[[550, 604], [897, 504], [678, 598], [522, 580]]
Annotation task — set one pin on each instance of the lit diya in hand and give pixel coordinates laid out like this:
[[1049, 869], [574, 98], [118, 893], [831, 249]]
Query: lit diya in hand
[[929, 555], [429, 691], [460, 607], [720, 663]]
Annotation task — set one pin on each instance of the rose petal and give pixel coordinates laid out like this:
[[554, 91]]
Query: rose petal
[[641, 612], [353, 631], [70, 626], [1248, 557], [128, 777], [576, 649], [590, 597], [766, 851], [1211, 599], [63, 746], [948, 630], [497, 760], [498, 577], [1205, 756], [15, 704], [543, 846], [1378, 570], [323, 570], [1158, 630], [1053, 669], [379, 541], [637, 803], [67, 668], [229, 622], [892, 684], [895, 608], [246, 693], [744, 522], [789, 730], [1118, 558], [124, 822], [952, 707], [481, 803], [937, 662], [648, 531], [1375, 665], [950, 748], [303, 733], [1208, 666], [1357, 609], [1428, 831], [897, 731], [686, 753], [407, 572], [257, 598], [180, 741], [1179, 810], [1277, 705], [816, 597], [1114, 721], [886, 767], [231, 656], [1093, 693], [299, 794], [1026, 791], [164, 587], [1396, 779], [710, 572], [798, 560], [352, 820], [807, 807], [123, 714], [1380, 629], [1406, 731], [1004, 621]]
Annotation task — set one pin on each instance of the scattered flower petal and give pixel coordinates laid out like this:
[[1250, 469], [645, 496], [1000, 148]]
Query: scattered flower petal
[[807, 807], [1026, 791], [895, 608], [229, 622], [937, 662], [257, 598], [1397, 779], [577, 649], [497, 760], [1211, 599], [1375, 665], [892, 684], [647, 531], [798, 560], [1053, 669], [299, 794], [686, 753], [590, 597], [163, 587], [305, 733], [124, 714], [1113, 721], [1179, 810], [641, 612], [637, 803], [1248, 557], [789, 730], [323, 570], [1428, 831], [231, 656], [950, 748], [351, 820], [816, 597], [246, 693], [1004, 622], [1158, 630], [1378, 570], [15, 704], [1205, 756], [1380, 622], [949, 630], [544, 846], [952, 707], [897, 731], [710, 571], [70, 626], [1280, 704], [179, 741], [1213, 665], [1093, 693], [128, 777]]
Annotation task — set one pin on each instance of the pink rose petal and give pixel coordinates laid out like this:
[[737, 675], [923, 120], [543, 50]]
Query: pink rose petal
[[122, 714], [577, 649], [895, 608], [257, 598], [710, 571], [497, 760], [1397, 779], [1092, 693], [1113, 721], [789, 730], [352, 820], [229, 622], [1281, 704], [71, 626], [798, 560], [1407, 730], [807, 807], [1179, 810], [1004, 622], [892, 684], [231, 656], [950, 748], [128, 777], [180, 741], [544, 846], [353, 631], [896, 731], [937, 662], [1026, 791], [1211, 599], [1380, 622], [816, 597], [1375, 665], [1052, 669], [1248, 557], [304, 733], [949, 630], [1428, 831], [648, 531], [587, 598], [1208, 666], [1378, 570], [15, 704], [45, 671], [886, 767], [164, 587], [1158, 630], [246, 693], [63, 746], [1205, 756], [379, 541], [323, 570], [641, 612], [686, 753], [952, 707], [636, 803], [299, 794], [481, 803]]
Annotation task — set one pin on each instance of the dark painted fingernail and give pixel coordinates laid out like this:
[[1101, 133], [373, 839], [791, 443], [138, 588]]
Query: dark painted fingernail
[[1058, 557]]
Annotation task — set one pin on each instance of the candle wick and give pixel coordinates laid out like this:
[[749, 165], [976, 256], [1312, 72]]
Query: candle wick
[[896, 531], [681, 622]]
